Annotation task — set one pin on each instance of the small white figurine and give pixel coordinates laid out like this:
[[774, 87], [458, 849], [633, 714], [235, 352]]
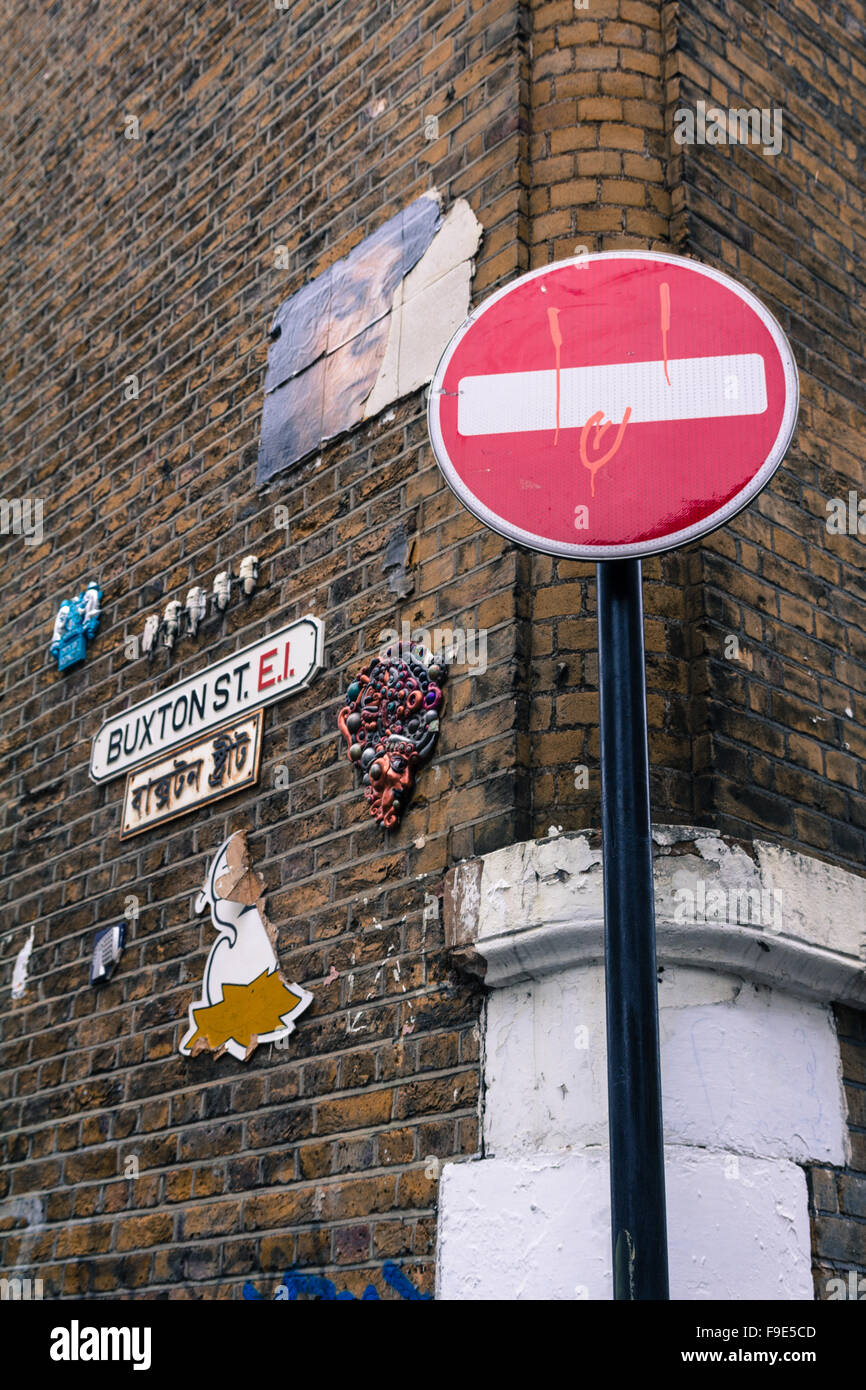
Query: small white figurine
[[249, 573], [150, 634], [170, 623], [222, 588], [59, 625], [196, 607], [90, 608]]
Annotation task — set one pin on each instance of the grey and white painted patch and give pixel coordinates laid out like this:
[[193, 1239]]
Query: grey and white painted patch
[[25, 1216], [542, 910], [23, 1212], [368, 331], [729, 1050]]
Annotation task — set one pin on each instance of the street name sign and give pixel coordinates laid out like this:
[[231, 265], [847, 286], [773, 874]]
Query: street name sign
[[208, 767], [267, 670]]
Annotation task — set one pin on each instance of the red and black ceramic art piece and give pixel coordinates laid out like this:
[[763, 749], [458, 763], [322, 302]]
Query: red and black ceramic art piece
[[390, 723]]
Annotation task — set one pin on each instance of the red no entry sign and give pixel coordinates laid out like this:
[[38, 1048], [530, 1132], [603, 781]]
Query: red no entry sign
[[613, 405]]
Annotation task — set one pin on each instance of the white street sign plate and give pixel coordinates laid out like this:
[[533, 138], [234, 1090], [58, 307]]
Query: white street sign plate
[[268, 670]]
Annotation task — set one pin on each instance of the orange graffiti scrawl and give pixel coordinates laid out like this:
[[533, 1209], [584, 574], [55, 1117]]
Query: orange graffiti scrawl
[[600, 430], [593, 465]]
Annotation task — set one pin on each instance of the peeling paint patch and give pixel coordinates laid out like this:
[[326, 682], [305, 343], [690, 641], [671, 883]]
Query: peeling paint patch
[[461, 903], [500, 886], [428, 308], [759, 912], [26, 1212], [19, 973], [398, 554], [431, 910]]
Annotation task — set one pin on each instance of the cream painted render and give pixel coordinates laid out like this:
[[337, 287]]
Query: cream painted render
[[750, 1065], [429, 305]]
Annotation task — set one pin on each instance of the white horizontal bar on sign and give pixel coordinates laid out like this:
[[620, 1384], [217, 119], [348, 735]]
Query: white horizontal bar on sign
[[700, 388]]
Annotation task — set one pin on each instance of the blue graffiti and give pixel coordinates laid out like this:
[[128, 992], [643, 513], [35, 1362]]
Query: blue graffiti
[[315, 1286]]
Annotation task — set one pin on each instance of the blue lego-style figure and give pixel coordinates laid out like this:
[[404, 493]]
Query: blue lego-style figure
[[76, 624]]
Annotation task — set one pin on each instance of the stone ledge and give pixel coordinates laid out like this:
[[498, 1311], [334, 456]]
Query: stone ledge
[[766, 914]]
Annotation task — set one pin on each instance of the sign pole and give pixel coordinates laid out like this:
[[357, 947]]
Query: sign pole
[[637, 1174]]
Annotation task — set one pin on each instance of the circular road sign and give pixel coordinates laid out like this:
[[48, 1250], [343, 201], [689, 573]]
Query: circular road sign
[[613, 405]]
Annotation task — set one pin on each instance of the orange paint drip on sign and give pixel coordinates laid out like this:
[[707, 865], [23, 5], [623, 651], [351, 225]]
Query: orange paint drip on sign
[[665, 298], [556, 335]]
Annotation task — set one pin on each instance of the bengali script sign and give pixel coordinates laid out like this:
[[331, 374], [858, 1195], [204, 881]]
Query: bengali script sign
[[224, 760]]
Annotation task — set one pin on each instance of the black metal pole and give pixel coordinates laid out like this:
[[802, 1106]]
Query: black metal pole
[[637, 1174]]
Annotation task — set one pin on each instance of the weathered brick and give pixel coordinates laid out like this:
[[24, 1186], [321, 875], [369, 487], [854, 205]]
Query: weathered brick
[[165, 267]]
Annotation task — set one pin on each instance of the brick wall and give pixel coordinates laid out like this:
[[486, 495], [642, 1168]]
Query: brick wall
[[305, 128], [771, 742], [781, 738], [837, 1196], [604, 179], [784, 726]]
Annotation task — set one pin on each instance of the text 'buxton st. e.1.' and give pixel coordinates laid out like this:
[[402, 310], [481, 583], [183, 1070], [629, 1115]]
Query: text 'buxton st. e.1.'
[[259, 674]]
